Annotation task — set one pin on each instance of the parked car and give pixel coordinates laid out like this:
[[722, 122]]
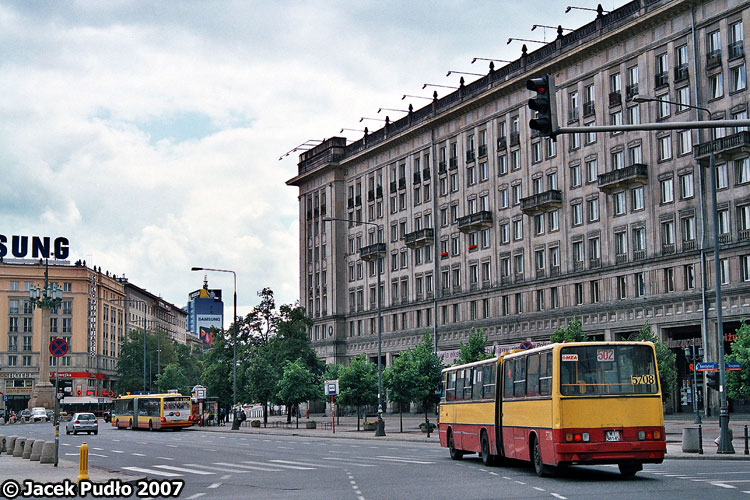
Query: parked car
[[82, 422], [24, 414], [107, 416], [39, 414], [50, 415], [3, 413]]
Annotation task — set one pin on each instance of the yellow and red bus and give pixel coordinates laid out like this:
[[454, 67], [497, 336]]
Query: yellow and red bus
[[561, 404], [152, 411]]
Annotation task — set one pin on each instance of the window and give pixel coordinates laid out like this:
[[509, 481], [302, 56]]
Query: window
[[688, 228], [684, 142], [722, 179], [503, 198], [621, 283], [540, 300], [666, 188], [614, 82], [715, 86], [578, 251], [502, 164], [639, 239], [662, 64], [504, 232], [594, 292], [553, 218], [687, 186], [621, 243], [669, 279], [667, 232], [664, 106], [634, 115], [471, 175], [723, 221], [539, 224], [745, 267], [589, 137], [618, 160], [575, 175], [742, 170], [640, 284], [551, 148], [578, 294], [714, 42], [665, 147], [593, 209], [595, 248], [724, 267], [518, 263], [13, 360], [518, 229], [515, 160], [516, 193], [575, 141], [540, 260], [592, 171], [619, 202], [683, 97], [637, 198], [577, 213], [689, 271], [484, 172], [536, 152]]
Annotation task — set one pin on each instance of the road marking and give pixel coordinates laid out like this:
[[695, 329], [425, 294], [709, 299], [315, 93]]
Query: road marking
[[303, 463], [284, 448], [117, 451], [219, 469], [151, 471], [278, 465], [172, 446], [214, 485], [165, 458], [208, 449], [180, 469], [225, 477], [138, 454], [65, 444], [197, 495], [72, 454], [396, 459], [349, 463], [723, 485], [98, 455], [247, 467], [520, 482], [494, 473], [98, 449], [538, 488], [556, 495]]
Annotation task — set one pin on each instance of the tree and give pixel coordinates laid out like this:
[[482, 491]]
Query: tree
[[261, 324], [474, 349], [216, 374], [665, 361], [572, 333], [358, 384], [398, 381], [159, 350], [333, 372], [738, 382], [173, 377], [429, 367], [260, 379], [298, 384]]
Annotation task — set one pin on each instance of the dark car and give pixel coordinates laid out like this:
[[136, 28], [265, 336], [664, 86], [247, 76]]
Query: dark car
[[24, 414]]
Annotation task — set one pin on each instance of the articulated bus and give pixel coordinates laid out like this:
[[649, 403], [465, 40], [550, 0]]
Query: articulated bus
[[561, 404], [152, 412]]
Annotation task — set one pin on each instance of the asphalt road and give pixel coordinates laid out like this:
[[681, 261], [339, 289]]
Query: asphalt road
[[225, 465]]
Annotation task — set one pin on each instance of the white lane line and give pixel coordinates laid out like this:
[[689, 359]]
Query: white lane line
[[72, 454], [208, 449], [165, 458], [225, 477], [219, 469], [268, 469], [556, 495], [138, 454], [214, 485], [284, 448], [151, 471], [396, 459], [722, 485], [117, 451], [98, 449], [538, 488], [304, 463], [197, 495], [353, 464], [98, 455], [340, 452], [494, 473], [181, 469], [65, 444], [520, 482], [297, 467], [172, 445]]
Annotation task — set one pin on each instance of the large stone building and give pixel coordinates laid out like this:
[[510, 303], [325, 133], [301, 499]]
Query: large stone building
[[482, 224], [144, 309]]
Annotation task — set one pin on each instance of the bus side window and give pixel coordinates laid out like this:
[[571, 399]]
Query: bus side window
[[545, 374], [488, 390], [476, 391], [519, 381], [450, 393], [460, 385], [508, 379], [467, 384], [532, 377]]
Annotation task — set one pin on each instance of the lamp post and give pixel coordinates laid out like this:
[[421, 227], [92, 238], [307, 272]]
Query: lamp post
[[380, 427], [725, 443], [235, 422]]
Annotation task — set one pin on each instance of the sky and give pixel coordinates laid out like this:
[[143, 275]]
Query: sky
[[149, 133]]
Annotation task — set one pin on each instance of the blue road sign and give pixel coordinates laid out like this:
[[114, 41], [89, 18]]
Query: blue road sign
[[58, 347], [5, 398], [707, 366], [733, 365]]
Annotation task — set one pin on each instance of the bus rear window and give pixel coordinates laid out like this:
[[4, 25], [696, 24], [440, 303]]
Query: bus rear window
[[607, 369]]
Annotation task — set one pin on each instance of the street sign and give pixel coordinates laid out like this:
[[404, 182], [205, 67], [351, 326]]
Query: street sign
[[526, 345], [58, 347], [331, 387], [5, 398], [707, 366], [733, 366], [199, 392]]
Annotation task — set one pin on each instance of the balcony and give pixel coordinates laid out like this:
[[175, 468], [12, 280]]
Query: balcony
[[680, 73], [623, 177], [426, 174], [379, 192], [631, 91], [595, 263], [667, 248], [502, 144], [350, 203], [589, 109], [453, 163], [729, 146], [358, 201], [725, 238], [554, 271], [577, 265], [621, 258], [441, 168], [402, 183], [573, 115], [713, 59], [744, 234], [736, 50], [419, 238], [371, 195], [541, 202], [371, 252], [639, 255], [482, 150], [515, 138], [661, 80], [688, 246], [475, 222], [506, 280], [615, 99], [417, 178], [470, 156], [394, 186]]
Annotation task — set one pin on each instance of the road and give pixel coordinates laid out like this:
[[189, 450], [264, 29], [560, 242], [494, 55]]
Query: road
[[217, 465]]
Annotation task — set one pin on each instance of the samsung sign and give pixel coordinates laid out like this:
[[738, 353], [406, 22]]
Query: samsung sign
[[35, 247]]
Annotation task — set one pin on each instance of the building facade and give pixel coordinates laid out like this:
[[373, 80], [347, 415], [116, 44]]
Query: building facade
[[205, 310], [90, 319], [146, 310], [481, 224]]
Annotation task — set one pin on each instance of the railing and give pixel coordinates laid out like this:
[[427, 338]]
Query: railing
[[572, 115], [713, 59], [441, 168], [426, 174], [394, 186], [615, 99], [639, 255], [515, 138], [540, 201], [402, 183], [506, 280], [661, 80], [744, 234], [680, 73], [667, 248], [453, 163], [621, 258], [518, 278], [577, 265], [470, 155], [734, 141], [417, 178], [688, 246], [631, 91], [736, 49], [371, 195], [350, 203], [615, 177], [419, 237], [478, 220], [589, 108], [371, 252], [725, 238], [482, 150], [358, 200], [595, 263], [541, 274], [554, 271], [502, 143]]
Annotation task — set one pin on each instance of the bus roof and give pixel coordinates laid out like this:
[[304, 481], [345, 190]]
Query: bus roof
[[454, 367], [167, 395]]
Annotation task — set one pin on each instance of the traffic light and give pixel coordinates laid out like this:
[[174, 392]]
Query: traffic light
[[544, 104], [713, 380]]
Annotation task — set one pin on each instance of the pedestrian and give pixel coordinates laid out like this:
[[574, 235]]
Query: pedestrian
[[222, 415]]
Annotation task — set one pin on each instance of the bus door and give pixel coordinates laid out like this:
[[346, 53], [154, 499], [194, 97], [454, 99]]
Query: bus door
[[499, 409], [136, 411]]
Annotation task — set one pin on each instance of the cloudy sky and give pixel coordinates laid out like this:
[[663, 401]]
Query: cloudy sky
[[149, 133]]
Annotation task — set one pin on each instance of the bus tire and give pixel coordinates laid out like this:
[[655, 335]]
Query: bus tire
[[539, 467], [455, 454], [487, 458], [130, 424], [629, 469], [150, 426]]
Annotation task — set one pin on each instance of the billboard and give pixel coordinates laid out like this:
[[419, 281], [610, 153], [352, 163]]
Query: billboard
[[207, 321]]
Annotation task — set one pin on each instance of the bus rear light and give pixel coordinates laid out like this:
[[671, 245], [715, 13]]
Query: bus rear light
[[163, 419], [577, 437], [649, 435]]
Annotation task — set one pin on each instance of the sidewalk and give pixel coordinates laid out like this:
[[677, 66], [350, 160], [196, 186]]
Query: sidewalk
[[18, 469], [346, 427]]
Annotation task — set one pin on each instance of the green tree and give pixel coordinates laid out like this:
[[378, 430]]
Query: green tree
[[261, 324], [429, 367], [398, 381], [333, 372], [260, 379], [665, 361], [173, 377], [358, 384], [572, 333], [738, 382], [160, 350], [216, 373], [474, 349], [298, 384]]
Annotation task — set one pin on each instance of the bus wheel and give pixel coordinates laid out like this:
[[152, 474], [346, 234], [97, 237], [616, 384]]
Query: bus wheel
[[130, 424], [629, 469], [150, 425], [455, 454], [539, 467], [117, 424], [487, 459]]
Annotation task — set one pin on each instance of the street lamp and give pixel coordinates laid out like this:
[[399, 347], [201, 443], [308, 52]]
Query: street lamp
[[380, 427], [235, 421], [725, 443]]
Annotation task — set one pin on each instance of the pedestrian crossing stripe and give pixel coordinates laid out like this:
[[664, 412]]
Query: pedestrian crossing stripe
[[279, 465], [349, 462], [240, 466], [227, 469], [304, 463], [151, 471], [181, 469]]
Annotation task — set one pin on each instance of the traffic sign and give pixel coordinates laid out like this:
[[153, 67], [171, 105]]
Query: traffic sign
[[707, 366], [332, 387], [733, 366], [5, 398], [58, 347], [526, 345]]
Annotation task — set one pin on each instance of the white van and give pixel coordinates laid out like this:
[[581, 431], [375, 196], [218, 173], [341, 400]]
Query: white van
[[39, 414]]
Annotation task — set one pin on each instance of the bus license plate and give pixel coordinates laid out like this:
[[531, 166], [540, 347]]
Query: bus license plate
[[612, 435]]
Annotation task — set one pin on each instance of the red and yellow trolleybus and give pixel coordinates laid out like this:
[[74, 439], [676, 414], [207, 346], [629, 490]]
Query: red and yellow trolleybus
[[152, 411], [569, 403]]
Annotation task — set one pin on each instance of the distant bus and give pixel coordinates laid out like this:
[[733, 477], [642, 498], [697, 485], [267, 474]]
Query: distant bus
[[152, 411], [561, 404], [87, 404]]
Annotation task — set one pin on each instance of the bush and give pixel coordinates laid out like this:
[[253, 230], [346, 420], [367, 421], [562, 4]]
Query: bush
[[255, 423], [423, 426], [312, 424]]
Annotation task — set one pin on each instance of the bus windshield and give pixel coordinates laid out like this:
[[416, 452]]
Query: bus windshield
[[607, 369]]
